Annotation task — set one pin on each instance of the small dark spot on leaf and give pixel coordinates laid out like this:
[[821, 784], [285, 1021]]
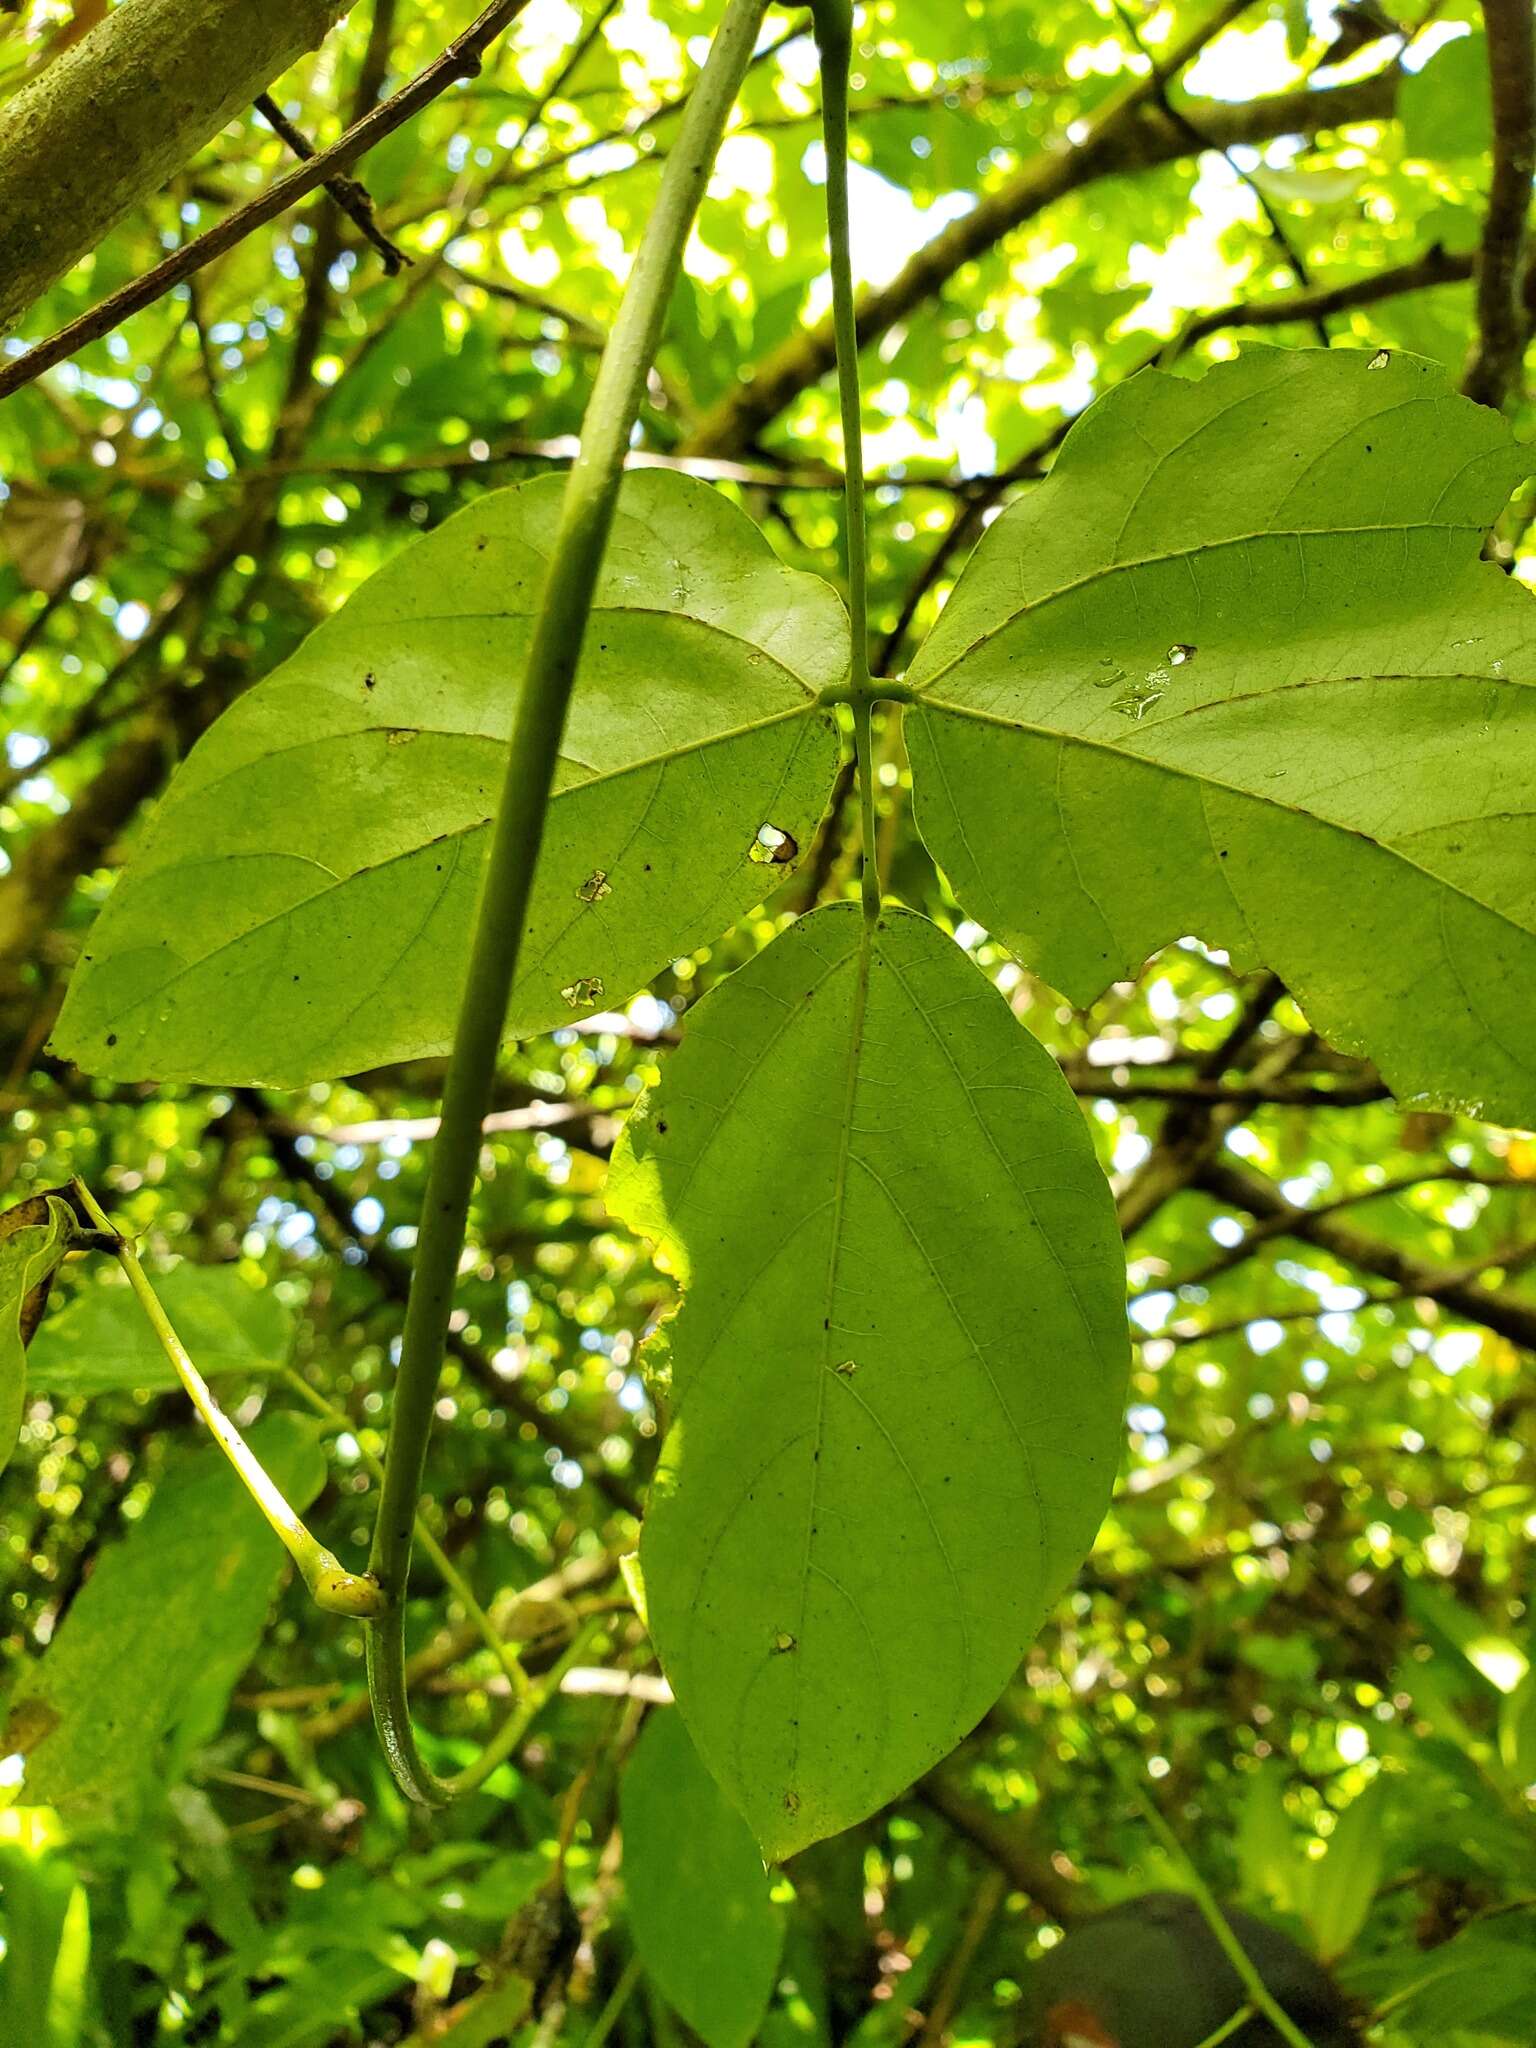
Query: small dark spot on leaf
[[370, 681], [661, 1126], [111, 1038]]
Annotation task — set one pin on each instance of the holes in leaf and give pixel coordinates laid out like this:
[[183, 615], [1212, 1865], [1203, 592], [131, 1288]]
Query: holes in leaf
[[1180, 652], [773, 848], [403, 736], [595, 887], [1380, 360], [584, 994]]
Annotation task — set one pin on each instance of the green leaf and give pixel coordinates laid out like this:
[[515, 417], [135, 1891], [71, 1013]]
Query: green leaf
[[99, 1340], [1338, 1895], [47, 1929], [34, 1236], [1445, 106], [1236, 669], [699, 1907], [898, 1369], [304, 903], [168, 1616], [1267, 1856]]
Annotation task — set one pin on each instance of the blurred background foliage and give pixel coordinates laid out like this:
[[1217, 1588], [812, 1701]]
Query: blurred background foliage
[[1305, 1632]]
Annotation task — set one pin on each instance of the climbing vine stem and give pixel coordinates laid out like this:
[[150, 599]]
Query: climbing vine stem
[[834, 37], [591, 497]]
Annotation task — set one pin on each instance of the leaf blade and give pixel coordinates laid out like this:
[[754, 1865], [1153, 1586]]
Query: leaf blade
[[303, 906], [1284, 707], [811, 1407], [698, 1899], [99, 1341]]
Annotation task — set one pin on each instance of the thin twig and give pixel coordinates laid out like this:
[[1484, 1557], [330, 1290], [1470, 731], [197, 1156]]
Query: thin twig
[[348, 193], [461, 59]]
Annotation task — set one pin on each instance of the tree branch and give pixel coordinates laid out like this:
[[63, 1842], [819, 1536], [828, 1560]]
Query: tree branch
[[1505, 1314], [1500, 344], [1127, 134], [105, 126], [461, 59]]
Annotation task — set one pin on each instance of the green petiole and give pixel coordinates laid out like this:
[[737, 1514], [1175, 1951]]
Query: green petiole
[[331, 1585]]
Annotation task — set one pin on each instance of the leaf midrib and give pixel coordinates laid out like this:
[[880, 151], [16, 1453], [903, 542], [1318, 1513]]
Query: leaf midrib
[[1107, 572]]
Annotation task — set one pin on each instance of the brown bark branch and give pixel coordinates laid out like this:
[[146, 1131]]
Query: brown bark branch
[[347, 193], [1009, 1844], [1126, 135], [1497, 1310], [1500, 345]]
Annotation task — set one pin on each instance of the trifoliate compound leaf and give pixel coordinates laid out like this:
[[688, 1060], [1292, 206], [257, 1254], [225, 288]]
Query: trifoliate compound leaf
[[34, 1236], [703, 1922], [897, 1371], [161, 1629], [100, 1339], [1236, 669], [303, 905]]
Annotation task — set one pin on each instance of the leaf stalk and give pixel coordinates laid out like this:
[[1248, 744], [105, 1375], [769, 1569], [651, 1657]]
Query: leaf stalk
[[330, 1584]]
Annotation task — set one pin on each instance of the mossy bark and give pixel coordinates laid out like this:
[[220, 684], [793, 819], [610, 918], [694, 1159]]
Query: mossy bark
[[112, 119]]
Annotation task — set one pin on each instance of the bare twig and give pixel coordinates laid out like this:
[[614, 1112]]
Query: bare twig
[[348, 193]]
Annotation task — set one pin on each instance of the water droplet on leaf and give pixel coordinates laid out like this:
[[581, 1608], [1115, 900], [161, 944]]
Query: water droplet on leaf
[[1139, 699]]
